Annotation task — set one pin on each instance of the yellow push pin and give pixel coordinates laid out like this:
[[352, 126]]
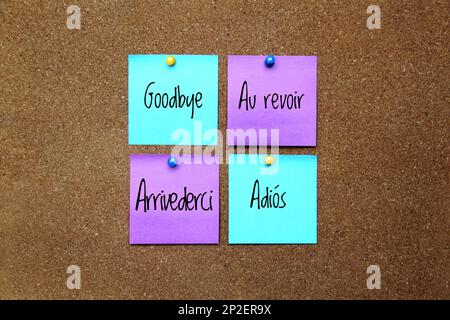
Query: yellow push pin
[[269, 160], [170, 60]]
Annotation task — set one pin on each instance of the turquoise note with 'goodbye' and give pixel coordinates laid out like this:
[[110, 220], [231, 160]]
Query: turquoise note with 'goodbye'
[[172, 104], [274, 204]]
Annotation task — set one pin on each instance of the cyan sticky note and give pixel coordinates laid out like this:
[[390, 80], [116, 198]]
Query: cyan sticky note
[[172, 105], [274, 204]]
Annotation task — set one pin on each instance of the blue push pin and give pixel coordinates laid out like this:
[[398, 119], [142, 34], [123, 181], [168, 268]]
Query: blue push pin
[[172, 162], [269, 61]]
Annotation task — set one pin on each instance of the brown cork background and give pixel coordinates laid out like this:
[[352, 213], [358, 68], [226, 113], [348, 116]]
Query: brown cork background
[[383, 119]]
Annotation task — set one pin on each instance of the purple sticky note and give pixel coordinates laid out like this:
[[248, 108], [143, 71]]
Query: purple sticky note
[[282, 97], [177, 205]]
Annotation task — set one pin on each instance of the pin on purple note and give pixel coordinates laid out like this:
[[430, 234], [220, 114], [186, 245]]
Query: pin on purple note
[[263, 99], [173, 204]]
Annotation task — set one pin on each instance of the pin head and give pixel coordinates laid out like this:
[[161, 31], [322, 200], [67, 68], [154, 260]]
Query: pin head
[[172, 162], [170, 60], [269, 61], [269, 160]]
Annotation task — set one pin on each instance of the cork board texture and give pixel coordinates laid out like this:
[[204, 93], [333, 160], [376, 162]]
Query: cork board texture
[[383, 173]]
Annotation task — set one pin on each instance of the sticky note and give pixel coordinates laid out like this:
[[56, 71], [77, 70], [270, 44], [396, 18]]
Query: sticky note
[[262, 100], [170, 105], [177, 205], [274, 204]]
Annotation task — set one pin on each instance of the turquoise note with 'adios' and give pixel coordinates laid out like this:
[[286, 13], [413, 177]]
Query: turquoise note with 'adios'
[[272, 204]]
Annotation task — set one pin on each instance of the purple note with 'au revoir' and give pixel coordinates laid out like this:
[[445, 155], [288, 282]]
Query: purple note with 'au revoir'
[[173, 205], [282, 97]]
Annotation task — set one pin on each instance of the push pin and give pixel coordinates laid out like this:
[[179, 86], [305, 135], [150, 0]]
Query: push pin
[[269, 160], [170, 60], [269, 61], [172, 162]]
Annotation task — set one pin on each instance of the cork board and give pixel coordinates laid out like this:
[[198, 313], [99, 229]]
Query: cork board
[[383, 191]]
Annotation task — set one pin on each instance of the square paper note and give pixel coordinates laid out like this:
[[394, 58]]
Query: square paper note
[[167, 105], [173, 205], [262, 100], [276, 204]]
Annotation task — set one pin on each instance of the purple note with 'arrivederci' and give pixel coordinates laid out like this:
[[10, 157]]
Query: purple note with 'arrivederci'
[[177, 205], [261, 99]]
